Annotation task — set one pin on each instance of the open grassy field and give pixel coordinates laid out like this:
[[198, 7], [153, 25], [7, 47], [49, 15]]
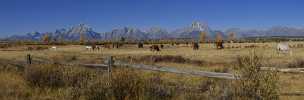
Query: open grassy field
[[207, 58]]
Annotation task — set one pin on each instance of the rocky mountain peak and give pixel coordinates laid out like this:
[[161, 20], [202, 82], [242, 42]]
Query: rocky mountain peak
[[81, 28]]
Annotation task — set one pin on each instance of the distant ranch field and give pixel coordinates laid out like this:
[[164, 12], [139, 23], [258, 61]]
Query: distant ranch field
[[206, 52]]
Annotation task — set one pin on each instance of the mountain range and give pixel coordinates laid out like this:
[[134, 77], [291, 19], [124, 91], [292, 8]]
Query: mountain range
[[129, 33]]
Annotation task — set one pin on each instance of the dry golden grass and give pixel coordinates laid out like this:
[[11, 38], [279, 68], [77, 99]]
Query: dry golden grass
[[217, 60]]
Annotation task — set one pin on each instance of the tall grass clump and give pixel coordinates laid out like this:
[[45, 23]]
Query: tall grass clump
[[158, 89], [126, 84], [56, 76], [254, 83], [13, 87], [51, 81], [45, 76], [98, 89]]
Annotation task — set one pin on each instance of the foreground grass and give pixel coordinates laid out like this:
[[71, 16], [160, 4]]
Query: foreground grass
[[54, 82], [57, 82]]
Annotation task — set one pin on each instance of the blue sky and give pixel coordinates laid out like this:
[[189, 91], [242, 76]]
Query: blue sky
[[22, 16]]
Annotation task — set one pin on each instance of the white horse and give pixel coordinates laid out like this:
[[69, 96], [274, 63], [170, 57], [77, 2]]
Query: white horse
[[54, 48], [283, 48], [88, 47]]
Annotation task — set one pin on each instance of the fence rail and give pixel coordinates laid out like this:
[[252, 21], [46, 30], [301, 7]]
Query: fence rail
[[173, 70], [285, 70], [110, 62]]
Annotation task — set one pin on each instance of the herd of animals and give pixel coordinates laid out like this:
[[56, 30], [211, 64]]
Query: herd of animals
[[282, 46]]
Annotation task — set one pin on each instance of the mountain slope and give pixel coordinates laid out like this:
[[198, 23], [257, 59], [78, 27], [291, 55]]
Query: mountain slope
[[157, 33], [126, 32], [75, 32], [71, 34]]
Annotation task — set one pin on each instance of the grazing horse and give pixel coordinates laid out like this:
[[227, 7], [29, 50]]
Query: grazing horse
[[140, 45], [283, 48], [187, 43], [54, 48], [89, 47], [162, 46], [98, 48], [154, 48], [219, 44], [195, 46], [94, 47]]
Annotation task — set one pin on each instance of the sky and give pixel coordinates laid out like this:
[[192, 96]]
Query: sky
[[23, 16]]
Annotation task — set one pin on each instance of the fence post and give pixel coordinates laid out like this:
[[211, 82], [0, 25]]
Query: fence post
[[110, 64], [29, 59]]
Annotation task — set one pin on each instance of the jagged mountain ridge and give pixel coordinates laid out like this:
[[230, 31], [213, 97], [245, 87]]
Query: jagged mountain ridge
[[192, 31], [129, 33], [126, 32], [71, 34]]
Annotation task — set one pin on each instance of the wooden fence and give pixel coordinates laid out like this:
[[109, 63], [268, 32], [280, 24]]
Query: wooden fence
[[110, 62]]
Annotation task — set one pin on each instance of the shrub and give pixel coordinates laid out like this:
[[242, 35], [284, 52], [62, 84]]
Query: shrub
[[255, 84]]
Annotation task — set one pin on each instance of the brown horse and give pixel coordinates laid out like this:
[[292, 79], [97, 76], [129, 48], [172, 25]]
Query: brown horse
[[219, 44], [154, 48], [140, 45], [195, 46]]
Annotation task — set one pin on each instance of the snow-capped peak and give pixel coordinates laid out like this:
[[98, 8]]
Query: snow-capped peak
[[199, 26]]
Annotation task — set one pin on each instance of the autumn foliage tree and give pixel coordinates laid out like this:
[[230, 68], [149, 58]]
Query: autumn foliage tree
[[219, 37], [46, 39], [231, 36], [82, 39], [203, 36], [219, 41]]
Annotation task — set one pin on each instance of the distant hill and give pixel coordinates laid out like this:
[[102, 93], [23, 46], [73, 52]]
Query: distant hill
[[273, 31]]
